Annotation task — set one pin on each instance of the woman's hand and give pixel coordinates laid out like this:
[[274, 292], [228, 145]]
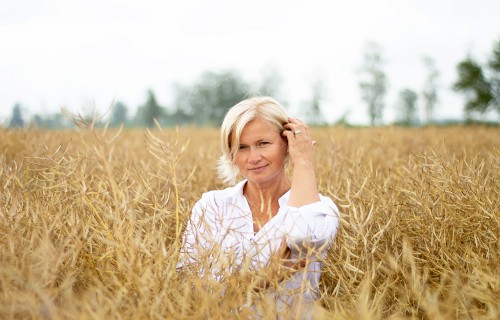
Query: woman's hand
[[281, 264], [280, 267], [300, 149], [300, 144]]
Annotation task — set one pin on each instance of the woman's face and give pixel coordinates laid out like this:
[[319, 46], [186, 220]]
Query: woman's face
[[261, 153]]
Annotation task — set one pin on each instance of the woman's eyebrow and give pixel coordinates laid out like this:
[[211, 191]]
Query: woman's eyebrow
[[256, 141], [259, 140], [263, 139]]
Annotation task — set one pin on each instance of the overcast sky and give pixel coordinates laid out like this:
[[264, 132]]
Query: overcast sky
[[77, 54]]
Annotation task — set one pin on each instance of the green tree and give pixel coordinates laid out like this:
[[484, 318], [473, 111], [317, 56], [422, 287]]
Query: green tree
[[473, 83], [118, 115], [481, 85], [151, 110], [494, 68], [374, 83], [16, 121], [207, 101], [408, 107], [429, 93]]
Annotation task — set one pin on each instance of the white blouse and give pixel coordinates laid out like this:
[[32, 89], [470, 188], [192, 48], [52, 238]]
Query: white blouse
[[221, 226]]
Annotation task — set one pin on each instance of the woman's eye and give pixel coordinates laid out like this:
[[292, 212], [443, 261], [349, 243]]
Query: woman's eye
[[242, 147], [262, 143]]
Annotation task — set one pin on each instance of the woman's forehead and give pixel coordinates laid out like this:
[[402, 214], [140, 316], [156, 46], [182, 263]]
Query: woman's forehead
[[258, 130]]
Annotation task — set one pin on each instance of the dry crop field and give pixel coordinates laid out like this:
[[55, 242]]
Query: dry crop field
[[91, 219]]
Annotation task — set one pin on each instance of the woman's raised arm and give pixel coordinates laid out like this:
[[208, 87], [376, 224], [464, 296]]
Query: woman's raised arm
[[300, 149]]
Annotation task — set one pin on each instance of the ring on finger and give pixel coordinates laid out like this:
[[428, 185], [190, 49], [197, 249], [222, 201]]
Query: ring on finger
[[298, 131]]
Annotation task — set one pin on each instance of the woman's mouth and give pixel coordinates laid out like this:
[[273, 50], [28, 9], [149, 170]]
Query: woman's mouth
[[257, 169]]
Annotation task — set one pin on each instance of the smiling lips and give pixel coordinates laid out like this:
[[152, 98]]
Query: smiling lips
[[256, 169]]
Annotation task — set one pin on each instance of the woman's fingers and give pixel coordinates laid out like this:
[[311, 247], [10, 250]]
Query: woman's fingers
[[296, 126], [295, 121], [296, 130], [295, 266], [281, 265], [300, 144], [284, 252]]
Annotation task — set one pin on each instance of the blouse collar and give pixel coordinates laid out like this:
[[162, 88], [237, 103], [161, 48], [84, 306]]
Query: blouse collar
[[237, 192]]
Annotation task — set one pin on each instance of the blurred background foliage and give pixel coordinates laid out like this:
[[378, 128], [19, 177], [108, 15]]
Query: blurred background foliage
[[205, 102]]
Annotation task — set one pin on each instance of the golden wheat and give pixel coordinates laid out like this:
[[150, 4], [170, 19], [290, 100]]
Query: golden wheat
[[90, 223]]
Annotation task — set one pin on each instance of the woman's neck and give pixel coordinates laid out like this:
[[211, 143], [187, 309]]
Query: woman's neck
[[265, 194]]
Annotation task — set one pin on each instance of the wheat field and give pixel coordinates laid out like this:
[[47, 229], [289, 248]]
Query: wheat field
[[91, 220]]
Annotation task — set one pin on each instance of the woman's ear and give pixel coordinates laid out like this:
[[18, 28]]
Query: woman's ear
[[285, 141], [283, 136]]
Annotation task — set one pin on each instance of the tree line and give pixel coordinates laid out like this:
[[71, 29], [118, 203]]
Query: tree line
[[479, 83], [205, 102]]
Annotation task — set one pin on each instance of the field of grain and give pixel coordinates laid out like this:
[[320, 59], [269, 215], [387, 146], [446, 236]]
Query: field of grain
[[90, 224]]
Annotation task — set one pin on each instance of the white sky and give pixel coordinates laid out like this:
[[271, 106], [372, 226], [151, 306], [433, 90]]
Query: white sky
[[75, 53]]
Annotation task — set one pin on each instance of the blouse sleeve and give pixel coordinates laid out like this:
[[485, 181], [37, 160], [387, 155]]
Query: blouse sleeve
[[312, 226]]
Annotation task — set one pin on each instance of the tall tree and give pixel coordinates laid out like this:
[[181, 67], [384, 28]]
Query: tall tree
[[494, 68], [208, 99], [374, 83], [481, 85], [118, 115], [473, 83], [151, 110], [429, 93], [16, 121], [408, 107]]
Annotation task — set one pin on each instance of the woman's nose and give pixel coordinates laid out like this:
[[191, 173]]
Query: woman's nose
[[254, 155]]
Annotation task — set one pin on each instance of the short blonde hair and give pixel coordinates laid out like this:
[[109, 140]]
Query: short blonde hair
[[265, 108]]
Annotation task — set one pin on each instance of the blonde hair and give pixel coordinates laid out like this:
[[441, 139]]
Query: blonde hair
[[265, 108]]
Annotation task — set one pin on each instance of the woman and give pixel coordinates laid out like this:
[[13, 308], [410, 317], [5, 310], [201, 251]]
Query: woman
[[267, 214]]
